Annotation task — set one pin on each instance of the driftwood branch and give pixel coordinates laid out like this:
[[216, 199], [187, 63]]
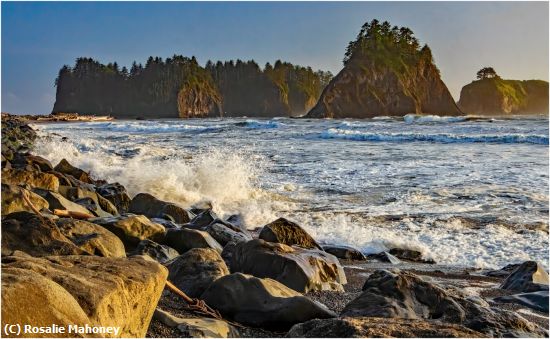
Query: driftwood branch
[[72, 214]]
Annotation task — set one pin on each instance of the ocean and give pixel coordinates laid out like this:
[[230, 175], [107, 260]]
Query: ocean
[[465, 192]]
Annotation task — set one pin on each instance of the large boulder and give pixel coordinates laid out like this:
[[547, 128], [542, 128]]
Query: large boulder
[[32, 178], [25, 231], [368, 327], [12, 200], [92, 238], [112, 292], [289, 233], [152, 207], [158, 252], [57, 201], [81, 195], [405, 295], [344, 252], [32, 299], [197, 327], [263, 303], [193, 271], [66, 168], [92, 206], [528, 277], [224, 234], [182, 240], [116, 194], [300, 269], [132, 229], [23, 160]]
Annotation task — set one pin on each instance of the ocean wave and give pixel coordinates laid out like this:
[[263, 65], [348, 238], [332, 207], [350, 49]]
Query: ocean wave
[[145, 127], [334, 133], [255, 124], [418, 118]]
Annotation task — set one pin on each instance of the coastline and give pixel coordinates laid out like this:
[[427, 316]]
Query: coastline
[[480, 287]]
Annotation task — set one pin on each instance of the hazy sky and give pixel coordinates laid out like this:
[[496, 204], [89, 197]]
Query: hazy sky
[[39, 38]]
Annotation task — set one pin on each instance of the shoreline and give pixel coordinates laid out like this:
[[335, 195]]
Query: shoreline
[[448, 277]]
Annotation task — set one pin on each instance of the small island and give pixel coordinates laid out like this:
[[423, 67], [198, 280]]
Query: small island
[[492, 95]]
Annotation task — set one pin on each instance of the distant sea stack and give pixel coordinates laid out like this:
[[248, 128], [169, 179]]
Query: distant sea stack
[[492, 95], [179, 87], [385, 72]]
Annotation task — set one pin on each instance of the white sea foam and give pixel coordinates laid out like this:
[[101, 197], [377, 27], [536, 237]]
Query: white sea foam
[[334, 133], [418, 118], [142, 127]]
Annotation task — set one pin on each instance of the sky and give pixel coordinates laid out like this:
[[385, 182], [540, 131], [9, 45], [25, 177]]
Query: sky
[[38, 38]]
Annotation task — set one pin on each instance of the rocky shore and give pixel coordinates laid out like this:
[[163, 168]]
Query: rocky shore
[[80, 251]]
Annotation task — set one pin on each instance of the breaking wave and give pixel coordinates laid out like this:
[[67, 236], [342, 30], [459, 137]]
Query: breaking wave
[[254, 124], [335, 133]]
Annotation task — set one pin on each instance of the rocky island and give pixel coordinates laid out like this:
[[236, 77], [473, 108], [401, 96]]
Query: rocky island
[[492, 95], [386, 73], [179, 87], [81, 253]]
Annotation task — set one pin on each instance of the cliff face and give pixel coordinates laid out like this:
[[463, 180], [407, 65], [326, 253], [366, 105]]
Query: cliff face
[[385, 73], [496, 96]]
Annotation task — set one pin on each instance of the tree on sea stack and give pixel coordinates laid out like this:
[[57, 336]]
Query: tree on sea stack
[[386, 72], [487, 73]]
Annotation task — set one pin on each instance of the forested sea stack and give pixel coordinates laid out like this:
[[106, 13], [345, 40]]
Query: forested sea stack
[[492, 95], [180, 87], [386, 72]]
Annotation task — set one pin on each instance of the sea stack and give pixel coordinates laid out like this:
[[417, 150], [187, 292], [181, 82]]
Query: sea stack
[[386, 72], [492, 95]]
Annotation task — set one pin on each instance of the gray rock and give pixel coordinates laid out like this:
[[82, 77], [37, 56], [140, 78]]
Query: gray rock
[[409, 255], [152, 207], [503, 272], [535, 300], [78, 193], [92, 206], [224, 234], [203, 220], [168, 224], [160, 253], [116, 194], [344, 252], [193, 271], [289, 233], [182, 240], [227, 253], [298, 268], [57, 201], [528, 277], [263, 303]]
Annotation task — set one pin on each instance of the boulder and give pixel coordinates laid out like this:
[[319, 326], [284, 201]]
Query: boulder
[[403, 295], [32, 178], [197, 327], [227, 252], [367, 327], [66, 168], [119, 292], [344, 252], [384, 257], [30, 298], [12, 200], [22, 160], [57, 201], [298, 268], [92, 238], [132, 229], [409, 255], [535, 300], [289, 233], [93, 207], [152, 207], [182, 240], [193, 271], [78, 193], [528, 277], [203, 219], [503, 272], [168, 224], [116, 194], [25, 231], [263, 303], [224, 234], [160, 253]]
